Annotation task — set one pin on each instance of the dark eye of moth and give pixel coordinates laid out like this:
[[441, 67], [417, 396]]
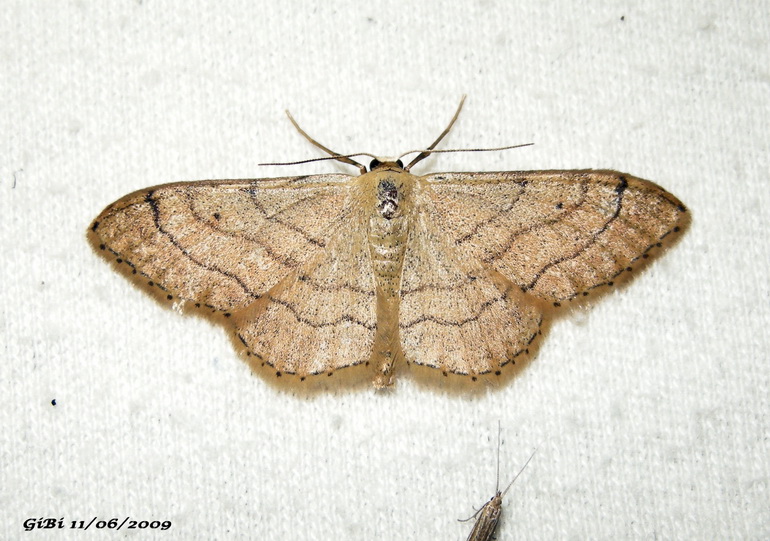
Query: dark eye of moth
[[374, 163]]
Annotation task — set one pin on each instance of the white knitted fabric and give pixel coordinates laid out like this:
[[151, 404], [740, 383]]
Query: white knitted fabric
[[650, 411]]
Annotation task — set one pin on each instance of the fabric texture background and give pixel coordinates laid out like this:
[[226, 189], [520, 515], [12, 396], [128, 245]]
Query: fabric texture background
[[650, 410]]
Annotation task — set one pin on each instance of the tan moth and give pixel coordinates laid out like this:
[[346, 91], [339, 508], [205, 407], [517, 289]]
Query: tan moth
[[451, 271], [488, 517]]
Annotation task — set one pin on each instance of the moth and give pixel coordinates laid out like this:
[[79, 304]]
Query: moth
[[488, 517], [451, 271]]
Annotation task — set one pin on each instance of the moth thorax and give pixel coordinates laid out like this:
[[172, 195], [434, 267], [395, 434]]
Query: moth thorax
[[387, 199]]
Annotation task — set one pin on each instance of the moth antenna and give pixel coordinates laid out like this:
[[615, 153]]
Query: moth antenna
[[335, 155], [424, 154], [517, 475], [497, 483], [445, 150], [325, 158], [499, 431]]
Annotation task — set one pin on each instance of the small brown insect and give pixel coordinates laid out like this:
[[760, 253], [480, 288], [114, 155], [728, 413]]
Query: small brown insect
[[488, 516]]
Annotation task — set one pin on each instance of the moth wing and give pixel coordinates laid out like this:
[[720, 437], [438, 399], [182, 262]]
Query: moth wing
[[222, 243], [322, 316], [556, 234], [455, 314]]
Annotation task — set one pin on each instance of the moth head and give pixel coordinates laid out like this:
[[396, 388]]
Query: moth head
[[385, 163]]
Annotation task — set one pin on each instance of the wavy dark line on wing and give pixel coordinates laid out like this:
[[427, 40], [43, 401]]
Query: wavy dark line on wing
[[459, 323], [291, 308], [620, 189], [213, 268]]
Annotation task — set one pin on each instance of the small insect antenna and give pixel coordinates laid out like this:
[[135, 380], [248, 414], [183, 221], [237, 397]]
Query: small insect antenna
[[425, 153], [497, 482], [517, 475], [334, 155]]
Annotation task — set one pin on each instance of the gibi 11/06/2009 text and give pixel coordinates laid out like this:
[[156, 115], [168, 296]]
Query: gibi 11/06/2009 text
[[49, 523]]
